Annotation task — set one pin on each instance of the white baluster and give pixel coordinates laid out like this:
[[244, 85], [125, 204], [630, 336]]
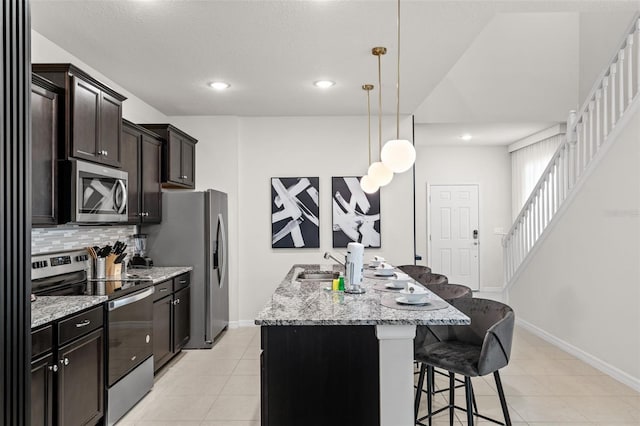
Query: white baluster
[[637, 61], [621, 83], [630, 88], [613, 84], [577, 152], [592, 135], [598, 123], [605, 108]]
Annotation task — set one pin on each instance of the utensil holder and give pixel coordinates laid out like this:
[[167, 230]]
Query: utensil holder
[[100, 270]]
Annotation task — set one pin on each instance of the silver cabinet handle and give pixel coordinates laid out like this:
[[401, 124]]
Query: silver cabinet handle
[[183, 177], [106, 153], [53, 368], [182, 281], [83, 323], [146, 214], [176, 302], [64, 361], [163, 290]]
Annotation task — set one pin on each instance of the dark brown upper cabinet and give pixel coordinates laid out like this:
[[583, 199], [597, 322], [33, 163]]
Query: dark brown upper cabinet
[[45, 134], [141, 158], [92, 115], [178, 156]]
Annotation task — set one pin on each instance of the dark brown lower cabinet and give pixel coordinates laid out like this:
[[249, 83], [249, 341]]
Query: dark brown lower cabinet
[[162, 349], [42, 391], [171, 319], [81, 381], [67, 379], [182, 324]]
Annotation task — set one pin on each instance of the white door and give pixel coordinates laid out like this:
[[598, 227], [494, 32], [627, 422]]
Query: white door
[[454, 239]]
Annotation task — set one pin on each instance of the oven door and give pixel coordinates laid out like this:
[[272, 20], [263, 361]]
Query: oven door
[[100, 193], [130, 322]]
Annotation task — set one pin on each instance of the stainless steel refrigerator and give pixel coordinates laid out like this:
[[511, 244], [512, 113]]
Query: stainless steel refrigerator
[[194, 232]]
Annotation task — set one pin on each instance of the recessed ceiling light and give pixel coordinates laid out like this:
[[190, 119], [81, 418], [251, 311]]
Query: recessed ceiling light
[[324, 84], [219, 85], [466, 137]]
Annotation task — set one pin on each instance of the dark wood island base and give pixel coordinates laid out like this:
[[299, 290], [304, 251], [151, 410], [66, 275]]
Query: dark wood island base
[[320, 375]]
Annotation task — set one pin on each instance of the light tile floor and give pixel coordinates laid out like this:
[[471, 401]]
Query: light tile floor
[[544, 386]]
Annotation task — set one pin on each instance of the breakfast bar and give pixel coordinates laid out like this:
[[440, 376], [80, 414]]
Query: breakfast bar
[[335, 358]]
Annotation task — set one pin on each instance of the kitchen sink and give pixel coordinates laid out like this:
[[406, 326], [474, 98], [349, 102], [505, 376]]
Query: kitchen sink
[[317, 276]]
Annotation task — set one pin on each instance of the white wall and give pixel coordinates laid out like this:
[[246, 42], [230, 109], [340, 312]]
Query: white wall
[[582, 285], [134, 109], [308, 146], [217, 168], [490, 168]]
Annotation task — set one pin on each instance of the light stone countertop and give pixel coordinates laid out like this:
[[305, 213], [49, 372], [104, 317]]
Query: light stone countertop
[[46, 309], [158, 274], [50, 308], [308, 303]]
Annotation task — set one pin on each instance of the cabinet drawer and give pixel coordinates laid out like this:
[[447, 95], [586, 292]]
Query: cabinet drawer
[[163, 289], [181, 281], [80, 324], [41, 341]]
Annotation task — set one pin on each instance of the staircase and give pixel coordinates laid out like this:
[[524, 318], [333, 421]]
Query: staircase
[[589, 134]]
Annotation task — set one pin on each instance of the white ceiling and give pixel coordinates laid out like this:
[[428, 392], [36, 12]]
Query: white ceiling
[[462, 61]]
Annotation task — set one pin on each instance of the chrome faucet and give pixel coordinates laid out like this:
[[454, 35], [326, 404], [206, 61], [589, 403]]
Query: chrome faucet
[[328, 255]]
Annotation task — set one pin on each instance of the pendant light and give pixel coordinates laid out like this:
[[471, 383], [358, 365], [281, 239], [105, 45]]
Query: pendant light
[[378, 171], [398, 155], [367, 184]]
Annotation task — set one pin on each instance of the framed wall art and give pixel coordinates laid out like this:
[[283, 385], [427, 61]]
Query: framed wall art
[[356, 214], [295, 212]]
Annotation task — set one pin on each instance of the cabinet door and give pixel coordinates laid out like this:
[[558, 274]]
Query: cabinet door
[[174, 150], [162, 331], [42, 391], [110, 129], [81, 380], [130, 163], [181, 325], [151, 179], [188, 163], [85, 118], [44, 142]]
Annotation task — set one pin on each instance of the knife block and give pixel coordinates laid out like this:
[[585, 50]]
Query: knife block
[[113, 269]]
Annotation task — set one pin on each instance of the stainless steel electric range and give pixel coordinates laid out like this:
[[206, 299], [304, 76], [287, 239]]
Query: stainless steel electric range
[[128, 315]]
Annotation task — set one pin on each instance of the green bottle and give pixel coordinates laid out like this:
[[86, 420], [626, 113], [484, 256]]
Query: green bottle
[[341, 283]]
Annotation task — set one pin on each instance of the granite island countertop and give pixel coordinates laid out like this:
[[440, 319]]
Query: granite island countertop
[[308, 303], [158, 274], [46, 309]]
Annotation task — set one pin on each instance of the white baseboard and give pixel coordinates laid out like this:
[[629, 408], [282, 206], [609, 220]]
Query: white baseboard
[[614, 372], [497, 289], [242, 323]]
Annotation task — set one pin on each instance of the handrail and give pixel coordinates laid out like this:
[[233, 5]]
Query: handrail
[[617, 86]]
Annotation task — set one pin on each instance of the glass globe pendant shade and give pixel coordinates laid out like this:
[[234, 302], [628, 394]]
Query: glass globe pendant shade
[[368, 185], [398, 155], [380, 173]]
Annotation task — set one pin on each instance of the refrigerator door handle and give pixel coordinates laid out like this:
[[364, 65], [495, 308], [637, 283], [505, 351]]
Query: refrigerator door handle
[[223, 244]]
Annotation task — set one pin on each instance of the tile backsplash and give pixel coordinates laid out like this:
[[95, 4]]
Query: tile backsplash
[[72, 237]]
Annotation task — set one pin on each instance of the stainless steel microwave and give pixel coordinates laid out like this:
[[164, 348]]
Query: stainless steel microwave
[[94, 193]]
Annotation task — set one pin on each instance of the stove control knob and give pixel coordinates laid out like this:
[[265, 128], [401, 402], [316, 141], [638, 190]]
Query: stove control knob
[[45, 263], [34, 265]]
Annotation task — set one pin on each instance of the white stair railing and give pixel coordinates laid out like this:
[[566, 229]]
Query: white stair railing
[[587, 132]]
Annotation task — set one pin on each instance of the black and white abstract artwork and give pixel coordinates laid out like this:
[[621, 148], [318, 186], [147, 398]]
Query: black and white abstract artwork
[[356, 214], [295, 212]]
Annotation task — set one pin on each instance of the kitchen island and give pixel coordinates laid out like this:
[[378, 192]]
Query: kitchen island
[[339, 359]]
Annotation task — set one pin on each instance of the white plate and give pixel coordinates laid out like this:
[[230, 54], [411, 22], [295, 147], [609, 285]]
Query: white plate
[[403, 301], [380, 273], [394, 286]]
